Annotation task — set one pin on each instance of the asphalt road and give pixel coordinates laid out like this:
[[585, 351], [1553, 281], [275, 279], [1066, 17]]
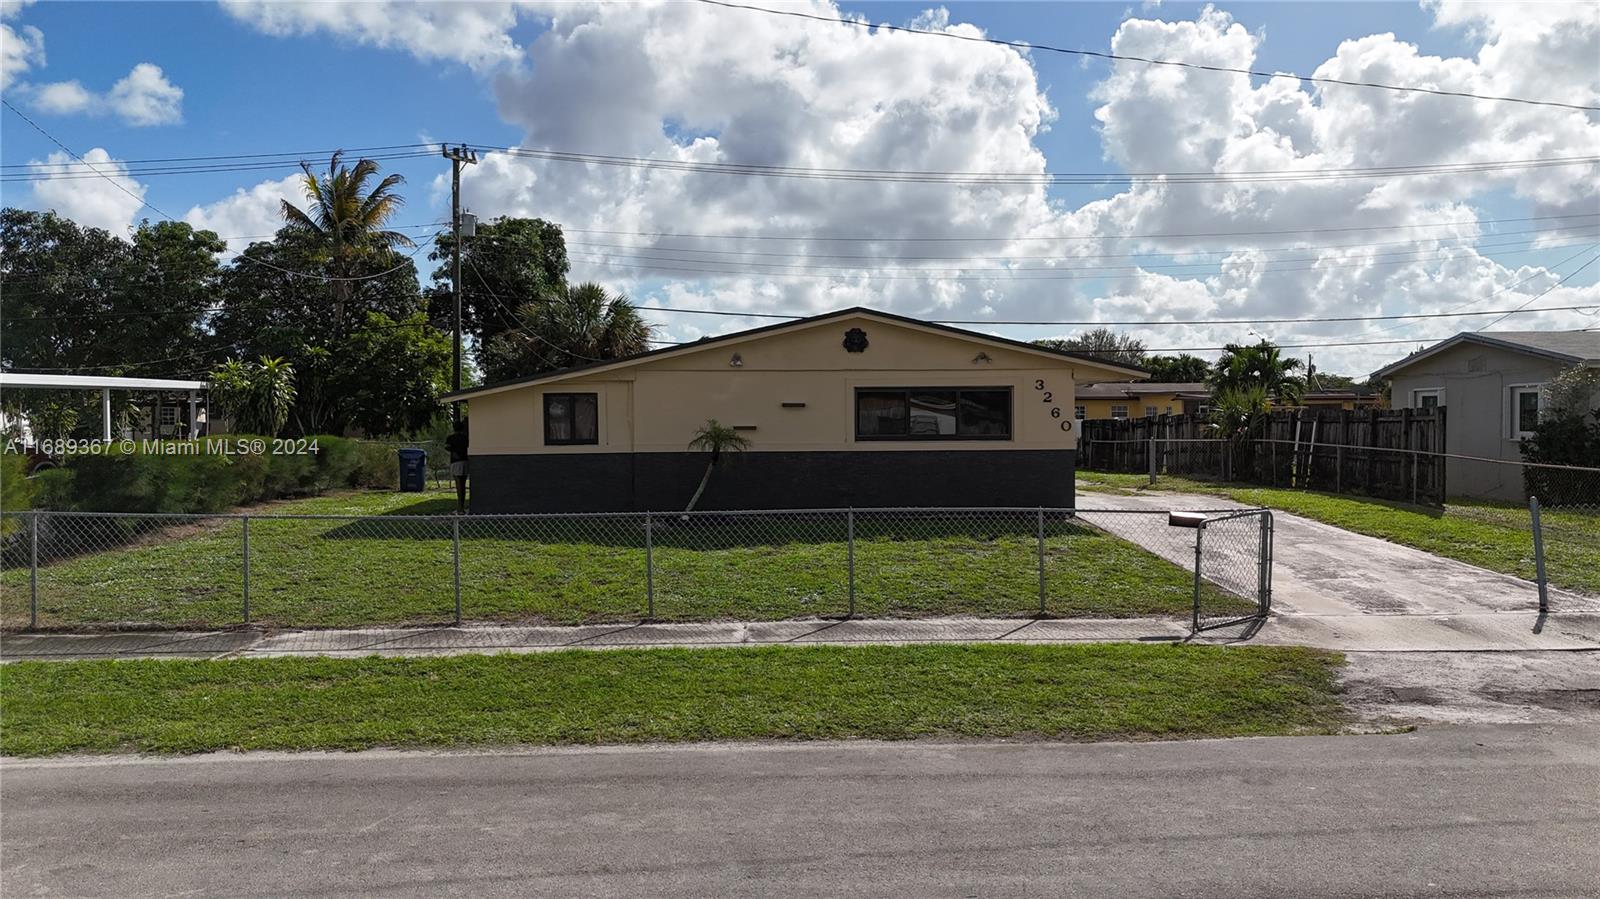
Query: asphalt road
[[1471, 811]]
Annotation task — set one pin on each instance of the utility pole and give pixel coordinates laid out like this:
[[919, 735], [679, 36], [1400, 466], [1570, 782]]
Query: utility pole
[[457, 156]]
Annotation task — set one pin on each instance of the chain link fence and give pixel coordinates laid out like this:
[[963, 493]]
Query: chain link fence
[[70, 571], [1564, 514]]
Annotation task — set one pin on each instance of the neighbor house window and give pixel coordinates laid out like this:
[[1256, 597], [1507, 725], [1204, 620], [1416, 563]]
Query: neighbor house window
[[1427, 399], [1150, 412], [571, 418], [1524, 408], [933, 413], [1119, 410], [1078, 412]]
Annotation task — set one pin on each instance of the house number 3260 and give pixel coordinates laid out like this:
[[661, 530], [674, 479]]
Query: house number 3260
[[1048, 398]]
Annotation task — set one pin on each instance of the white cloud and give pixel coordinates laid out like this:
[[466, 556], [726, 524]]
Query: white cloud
[[667, 81], [471, 33], [249, 214], [94, 202], [20, 50], [146, 97], [63, 98], [143, 97]]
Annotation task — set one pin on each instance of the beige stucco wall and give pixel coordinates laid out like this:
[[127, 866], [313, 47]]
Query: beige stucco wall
[[656, 405], [1477, 382]]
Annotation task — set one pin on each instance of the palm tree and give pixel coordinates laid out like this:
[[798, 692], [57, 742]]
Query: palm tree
[[347, 218], [564, 326], [1262, 365], [715, 438]]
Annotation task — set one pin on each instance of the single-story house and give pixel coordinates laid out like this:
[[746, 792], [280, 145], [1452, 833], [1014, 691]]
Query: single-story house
[[1489, 384], [1140, 399], [849, 408]]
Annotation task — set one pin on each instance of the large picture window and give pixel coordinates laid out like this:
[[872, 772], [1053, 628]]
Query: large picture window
[[571, 418], [933, 413]]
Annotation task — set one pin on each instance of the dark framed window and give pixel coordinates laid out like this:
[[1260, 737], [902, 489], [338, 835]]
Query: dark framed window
[[933, 413], [571, 419]]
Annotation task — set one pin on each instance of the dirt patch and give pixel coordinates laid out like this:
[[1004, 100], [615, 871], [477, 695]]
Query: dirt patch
[[1474, 687]]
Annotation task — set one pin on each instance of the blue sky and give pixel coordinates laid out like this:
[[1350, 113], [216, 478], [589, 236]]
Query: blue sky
[[250, 88]]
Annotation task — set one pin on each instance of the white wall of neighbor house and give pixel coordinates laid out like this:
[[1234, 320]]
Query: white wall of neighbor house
[[1479, 387], [656, 405]]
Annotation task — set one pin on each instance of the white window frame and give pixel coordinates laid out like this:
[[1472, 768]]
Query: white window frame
[[1116, 406], [1513, 408], [1079, 412], [1420, 392]]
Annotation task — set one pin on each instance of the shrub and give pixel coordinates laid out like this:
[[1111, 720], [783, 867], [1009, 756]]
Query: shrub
[[377, 466]]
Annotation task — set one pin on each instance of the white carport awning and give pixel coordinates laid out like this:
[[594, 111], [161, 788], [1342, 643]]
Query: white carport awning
[[94, 382]]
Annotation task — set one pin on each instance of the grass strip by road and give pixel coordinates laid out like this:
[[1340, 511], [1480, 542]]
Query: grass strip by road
[[1078, 692], [1496, 536], [390, 569]]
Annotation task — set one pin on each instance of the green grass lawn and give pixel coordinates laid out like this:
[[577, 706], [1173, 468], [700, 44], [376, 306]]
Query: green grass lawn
[[1491, 535], [395, 570], [1080, 692]]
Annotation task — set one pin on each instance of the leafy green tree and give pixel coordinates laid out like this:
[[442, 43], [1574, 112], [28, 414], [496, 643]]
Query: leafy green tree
[[1568, 434], [1259, 365], [255, 397], [1102, 343], [509, 262], [719, 440], [1180, 369], [392, 374], [567, 326], [346, 219], [84, 300]]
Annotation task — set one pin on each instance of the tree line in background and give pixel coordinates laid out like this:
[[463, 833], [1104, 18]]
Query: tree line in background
[[325, 328]]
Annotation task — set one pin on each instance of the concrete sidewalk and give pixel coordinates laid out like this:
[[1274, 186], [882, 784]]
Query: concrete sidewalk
[[1355, 633]]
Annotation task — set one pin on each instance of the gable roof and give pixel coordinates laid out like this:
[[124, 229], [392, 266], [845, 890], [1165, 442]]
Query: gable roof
[[704, 342], [1563, 346]]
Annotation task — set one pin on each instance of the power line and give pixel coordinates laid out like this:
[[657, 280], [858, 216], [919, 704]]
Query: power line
[[1147, 322], [870, 239], [143, 203], [1054, 272], [1097, 54], [1524, 306], [906, 176]]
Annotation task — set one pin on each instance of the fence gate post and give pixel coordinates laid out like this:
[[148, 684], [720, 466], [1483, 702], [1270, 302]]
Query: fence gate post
[[850, 557], [1199, 532], [33, 570], [455, 549], [1538, 555], [246, 528], [1152, 461], [649, 569], [1041, 557], [1264, 564]]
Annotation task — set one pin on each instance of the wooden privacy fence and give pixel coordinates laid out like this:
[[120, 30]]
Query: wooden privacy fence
[[1386, 453]]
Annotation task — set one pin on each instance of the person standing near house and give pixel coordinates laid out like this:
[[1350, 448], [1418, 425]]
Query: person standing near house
[[456, 444]]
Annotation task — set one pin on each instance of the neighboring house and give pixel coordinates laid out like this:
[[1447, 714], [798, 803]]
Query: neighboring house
[[1348, 400], [850, 408], [144, 407], [1141, 399], [1489, 385]]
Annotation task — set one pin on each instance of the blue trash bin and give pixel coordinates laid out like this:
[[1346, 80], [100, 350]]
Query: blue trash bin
[[413, 469]]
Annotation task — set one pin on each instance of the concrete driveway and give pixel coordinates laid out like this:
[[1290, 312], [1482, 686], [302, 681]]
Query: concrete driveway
[[1319, 569]]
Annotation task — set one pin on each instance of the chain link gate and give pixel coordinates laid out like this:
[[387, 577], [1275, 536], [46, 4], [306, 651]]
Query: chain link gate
[[1232, 562]]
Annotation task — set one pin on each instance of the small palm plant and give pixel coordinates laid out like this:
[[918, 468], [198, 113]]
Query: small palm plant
[[717, 439]]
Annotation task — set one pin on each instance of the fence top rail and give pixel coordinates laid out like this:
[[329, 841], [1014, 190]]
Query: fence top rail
[[1304, 444], [866, 511]]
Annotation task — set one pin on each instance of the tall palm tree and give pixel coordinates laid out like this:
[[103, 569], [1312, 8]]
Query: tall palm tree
[[717, 439], [347, 217], [1259, 365], [564, 326]]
